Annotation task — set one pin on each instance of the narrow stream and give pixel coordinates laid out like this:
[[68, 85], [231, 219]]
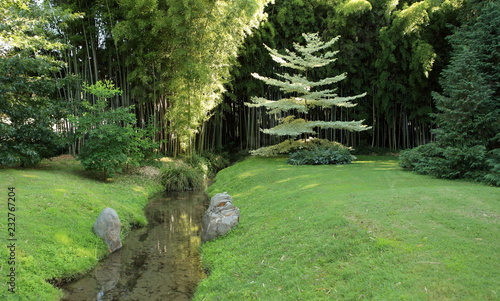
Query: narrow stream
[[157, 262]]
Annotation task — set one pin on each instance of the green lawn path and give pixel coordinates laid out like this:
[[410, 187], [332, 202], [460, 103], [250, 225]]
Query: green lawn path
[[56, 206], [368, 230]]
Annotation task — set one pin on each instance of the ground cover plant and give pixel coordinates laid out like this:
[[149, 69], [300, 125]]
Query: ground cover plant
[[56, 205], [367, 230]]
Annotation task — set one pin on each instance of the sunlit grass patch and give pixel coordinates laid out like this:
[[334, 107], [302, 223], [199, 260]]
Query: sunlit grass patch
[[365, 230], [56, 206]]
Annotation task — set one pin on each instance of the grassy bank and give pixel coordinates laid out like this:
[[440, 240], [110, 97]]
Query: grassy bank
[[367, 230], [56, 206]]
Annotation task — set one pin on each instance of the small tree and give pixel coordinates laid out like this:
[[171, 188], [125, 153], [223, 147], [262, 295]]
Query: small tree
[[110, 139], [303, 94]]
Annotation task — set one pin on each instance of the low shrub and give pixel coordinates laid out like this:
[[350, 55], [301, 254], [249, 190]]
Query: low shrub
[[181, 177], [321, 156], [27, 147], [290, 146], [453, 162], [104, 154], [419, 158]]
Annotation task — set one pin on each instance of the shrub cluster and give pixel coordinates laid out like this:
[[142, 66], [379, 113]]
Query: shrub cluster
[[290, 146], [473, 162], [312, 151], [191, 174], [321, 156], [181, 177]]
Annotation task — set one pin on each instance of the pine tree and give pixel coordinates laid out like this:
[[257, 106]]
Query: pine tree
[[301, 93], [469, 107], [468, 134]]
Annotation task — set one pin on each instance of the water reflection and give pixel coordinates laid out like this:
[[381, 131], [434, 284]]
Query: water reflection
[[159, 262]]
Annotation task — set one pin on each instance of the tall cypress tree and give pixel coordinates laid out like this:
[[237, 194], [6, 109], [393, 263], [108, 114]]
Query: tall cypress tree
[[302, 94]]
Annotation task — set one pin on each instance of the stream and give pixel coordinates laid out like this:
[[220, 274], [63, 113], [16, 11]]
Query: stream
[[158, 262]]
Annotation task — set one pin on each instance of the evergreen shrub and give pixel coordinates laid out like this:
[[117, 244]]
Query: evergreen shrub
[[493, 175], [181, 177], [472, 162], [321, 156]]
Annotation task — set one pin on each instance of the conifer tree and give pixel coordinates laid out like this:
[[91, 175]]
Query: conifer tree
[[468, 134], [302, 94], [469, 107]]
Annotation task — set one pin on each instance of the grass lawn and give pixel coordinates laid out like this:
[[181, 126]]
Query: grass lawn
[[367, 230], [56, 206]]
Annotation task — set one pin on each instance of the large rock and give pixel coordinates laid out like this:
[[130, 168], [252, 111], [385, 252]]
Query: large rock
[[220, 217], [108, 226]]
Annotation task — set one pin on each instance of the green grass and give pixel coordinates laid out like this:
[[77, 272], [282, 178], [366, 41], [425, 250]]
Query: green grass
[[56, 206], [367, 230]]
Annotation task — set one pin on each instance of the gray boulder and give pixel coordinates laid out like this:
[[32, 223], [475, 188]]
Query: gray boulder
[[220, 217], [108, 226]]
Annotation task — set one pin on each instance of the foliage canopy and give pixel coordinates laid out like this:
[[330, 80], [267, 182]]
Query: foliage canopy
[[30, 109]]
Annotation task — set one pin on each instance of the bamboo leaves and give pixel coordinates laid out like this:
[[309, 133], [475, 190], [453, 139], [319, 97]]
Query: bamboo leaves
[[198, 46]]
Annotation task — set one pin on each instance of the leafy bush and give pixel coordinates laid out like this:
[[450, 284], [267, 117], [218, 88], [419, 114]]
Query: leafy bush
[[143, 150], [30, 106], [321, 156], [181, 177], [20, 152], [198, 162], [291, 145], [104, 154], [26, 132]]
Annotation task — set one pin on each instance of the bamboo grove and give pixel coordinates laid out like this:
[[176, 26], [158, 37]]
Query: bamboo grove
[[169, 58], [394, 50], [185, 65]]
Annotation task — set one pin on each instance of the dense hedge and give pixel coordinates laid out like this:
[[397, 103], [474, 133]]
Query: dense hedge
[[473, 163]]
